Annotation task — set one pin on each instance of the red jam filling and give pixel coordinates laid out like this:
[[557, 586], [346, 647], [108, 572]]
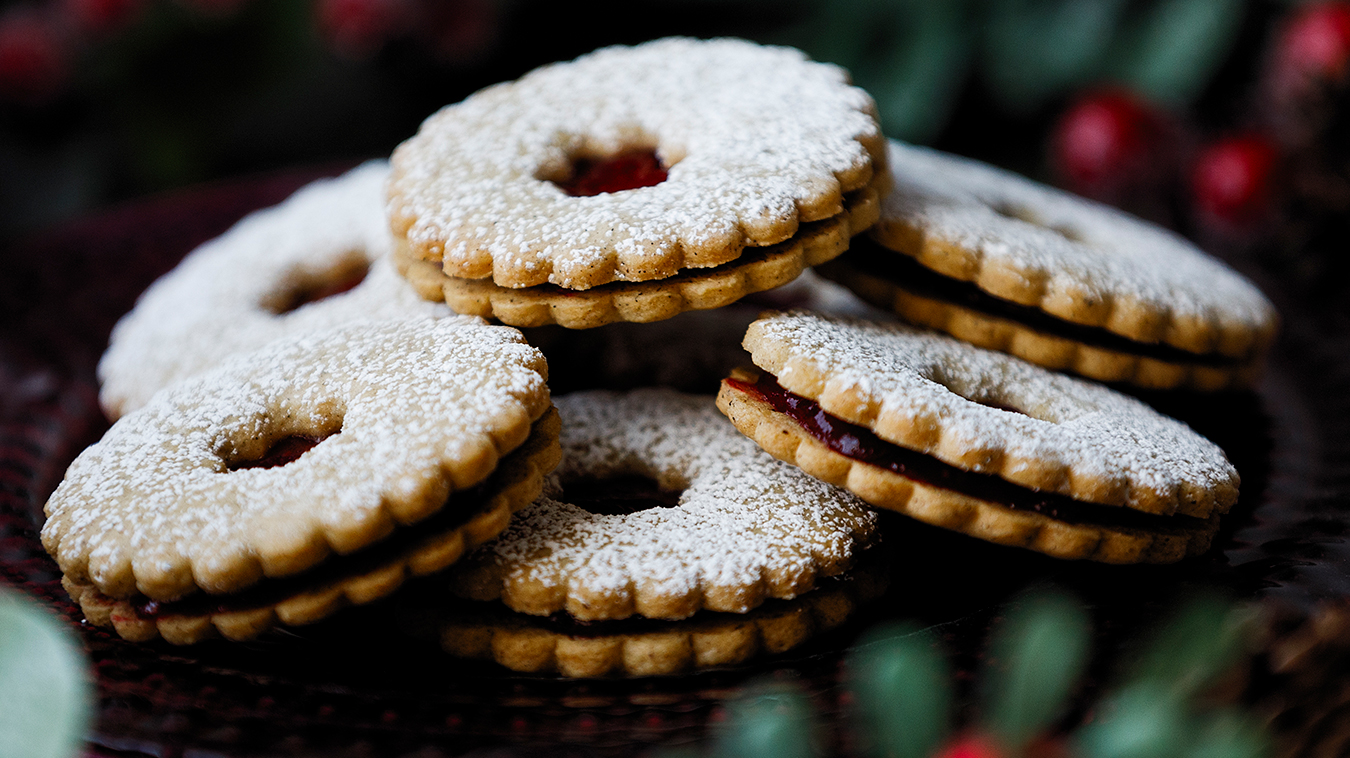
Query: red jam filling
[[861, 444], [324, 290], [283, 451], [625, 171], [619, 496]]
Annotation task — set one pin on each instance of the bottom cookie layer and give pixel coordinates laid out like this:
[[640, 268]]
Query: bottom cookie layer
[[648, 647], [693, 289], [787, 440], [342, 580], [928, 299]]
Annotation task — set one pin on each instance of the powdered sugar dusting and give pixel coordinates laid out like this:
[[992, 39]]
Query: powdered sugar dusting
[[750, 134], [903, 372], [219, 300], [1107, 253], [742, 514], [412, 400]]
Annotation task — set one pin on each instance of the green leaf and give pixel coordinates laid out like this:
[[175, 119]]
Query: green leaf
[[1173, 51], [1035, 49], [911, 55], [1202, 639], [45, 690], [902, 689], [1142, 721], [1038, 654], [1230, 734], [769, 720]]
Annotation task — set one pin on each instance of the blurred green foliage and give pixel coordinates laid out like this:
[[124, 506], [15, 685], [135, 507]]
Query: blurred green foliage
[[915, 56], [46, 696]]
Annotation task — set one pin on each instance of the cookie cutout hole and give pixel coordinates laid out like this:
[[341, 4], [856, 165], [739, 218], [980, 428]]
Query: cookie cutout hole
[[620, 495], [1027, 215], [598, 175], [342, 278], [286, 450]]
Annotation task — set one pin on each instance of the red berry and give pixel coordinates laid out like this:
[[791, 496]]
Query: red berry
[[1232, 181], [33, 58], [102, 17], [1109, 143], [1314, 44], [359, 28], [971, 746]]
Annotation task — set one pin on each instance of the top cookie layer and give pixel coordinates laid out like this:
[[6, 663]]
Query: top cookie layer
[[756, 139], [407, 411], [746, 528], [1073, 258], [989, 412], [244, 289]]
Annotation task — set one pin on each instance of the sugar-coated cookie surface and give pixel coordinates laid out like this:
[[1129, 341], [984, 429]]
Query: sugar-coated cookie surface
[[755, 139], [405, 415], [747, 527], [1075, 259], [952, 401], [248, 287]]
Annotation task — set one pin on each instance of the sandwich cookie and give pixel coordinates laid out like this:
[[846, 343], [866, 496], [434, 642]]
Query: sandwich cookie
[[1011, 265], [979, 442]]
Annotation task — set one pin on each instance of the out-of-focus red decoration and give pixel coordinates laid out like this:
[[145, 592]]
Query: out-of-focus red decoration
[[1232, 181], [359, 28], [972, 746], [1110, 144], [34, 61], [99, 18], [1314, 45]]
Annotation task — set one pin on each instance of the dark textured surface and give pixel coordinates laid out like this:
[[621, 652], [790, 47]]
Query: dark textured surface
[[354, 686]]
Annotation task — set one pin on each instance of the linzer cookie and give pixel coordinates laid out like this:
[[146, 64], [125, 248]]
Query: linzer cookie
[[660, 511], [978, 441], [317, 472], [317, 260], [1011, 265], [705, 169]]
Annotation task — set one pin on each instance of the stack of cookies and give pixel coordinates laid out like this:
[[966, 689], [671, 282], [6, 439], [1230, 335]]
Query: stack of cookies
[[300, 428]]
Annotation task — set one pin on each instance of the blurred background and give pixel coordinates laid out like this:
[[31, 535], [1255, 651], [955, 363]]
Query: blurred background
[[1225, 119]]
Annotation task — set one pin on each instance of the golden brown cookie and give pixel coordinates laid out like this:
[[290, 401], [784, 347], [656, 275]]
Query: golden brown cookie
[[317, 260], [741, 143], [978, 441], [661, 509], [646, 647], [1011, 265], [315, 472], [691, 289]]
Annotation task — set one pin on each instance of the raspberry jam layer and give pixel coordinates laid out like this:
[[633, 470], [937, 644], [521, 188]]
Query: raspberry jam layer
[[625, 171], [903, 271], [283, 451], [862, 445]]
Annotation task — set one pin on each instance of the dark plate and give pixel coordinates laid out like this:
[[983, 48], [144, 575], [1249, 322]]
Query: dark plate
[[353, 686]]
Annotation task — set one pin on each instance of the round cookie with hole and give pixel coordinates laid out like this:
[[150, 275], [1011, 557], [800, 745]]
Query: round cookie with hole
[[1012, 265], [637, 165], [318, 259], [979, 442], [660, 512], [317, 472]]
